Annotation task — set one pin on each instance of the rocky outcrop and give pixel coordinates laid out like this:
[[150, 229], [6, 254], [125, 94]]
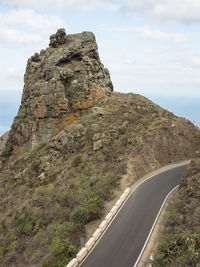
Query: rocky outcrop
[[60, 82], [3, 140]]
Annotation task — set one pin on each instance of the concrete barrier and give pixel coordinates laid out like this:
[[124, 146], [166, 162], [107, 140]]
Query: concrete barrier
[[81, 255], [123, 196], [73, 263], [118, 203], [103, 225], [108, 217], [127, 191], [96, 234], [114, 210], [90, 243]]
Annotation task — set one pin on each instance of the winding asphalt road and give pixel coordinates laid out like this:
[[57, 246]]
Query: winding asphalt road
[[123, 241]]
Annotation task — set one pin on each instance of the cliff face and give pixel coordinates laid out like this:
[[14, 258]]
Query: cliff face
[[60, 82]]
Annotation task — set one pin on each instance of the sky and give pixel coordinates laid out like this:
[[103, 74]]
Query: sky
[[151, 47]]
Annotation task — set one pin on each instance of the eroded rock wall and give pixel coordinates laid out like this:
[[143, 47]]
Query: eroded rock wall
[[60, 82]]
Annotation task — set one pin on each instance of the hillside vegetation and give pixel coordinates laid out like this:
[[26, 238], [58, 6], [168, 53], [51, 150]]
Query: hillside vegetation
[[49, 194], [180, 243]]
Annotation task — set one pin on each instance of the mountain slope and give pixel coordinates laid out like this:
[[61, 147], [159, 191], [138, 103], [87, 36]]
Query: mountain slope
[[49, 194]]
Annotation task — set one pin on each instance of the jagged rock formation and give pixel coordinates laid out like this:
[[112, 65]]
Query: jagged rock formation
[[60, 82]]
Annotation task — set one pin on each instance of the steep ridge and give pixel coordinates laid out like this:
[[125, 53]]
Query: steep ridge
[[180, 242], [74, 166]]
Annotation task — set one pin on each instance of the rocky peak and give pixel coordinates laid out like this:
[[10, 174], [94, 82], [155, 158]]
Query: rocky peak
[[59, 38], [60, 82]]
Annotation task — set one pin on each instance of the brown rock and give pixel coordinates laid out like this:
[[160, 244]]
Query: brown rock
[[98, 141], [97, 111]]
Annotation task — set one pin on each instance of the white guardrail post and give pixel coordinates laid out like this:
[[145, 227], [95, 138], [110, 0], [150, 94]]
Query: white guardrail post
[[127, 191], [73, 263], [90, 243], [114, 210], [123, 197], [96, 234], [103, 225], [81, 255], [108, 218], [118, 203]]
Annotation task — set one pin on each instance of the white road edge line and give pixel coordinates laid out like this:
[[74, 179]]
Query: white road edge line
[[131, 192], [150, 233]]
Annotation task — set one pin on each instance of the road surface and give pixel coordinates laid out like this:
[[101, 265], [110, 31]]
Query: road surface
[[123, 241]]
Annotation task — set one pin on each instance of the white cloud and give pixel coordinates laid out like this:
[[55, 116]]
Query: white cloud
[[147, 32], [195, 61], [26, 27], [177, 10], [30, 19], [112, 60], [129, 61], [66, 5], [15, 37], [13, 73], [11, 78], [122, 60], [151, 50]]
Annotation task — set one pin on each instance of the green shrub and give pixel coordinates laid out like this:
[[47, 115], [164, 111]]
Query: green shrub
[[37, 94], [72, 250], [80, 216], [122, 130], [57, 246], [27, 227], [94, 207], [7, 151]]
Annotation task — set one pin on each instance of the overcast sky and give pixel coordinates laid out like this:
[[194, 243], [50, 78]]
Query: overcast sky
[[151, 47]]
